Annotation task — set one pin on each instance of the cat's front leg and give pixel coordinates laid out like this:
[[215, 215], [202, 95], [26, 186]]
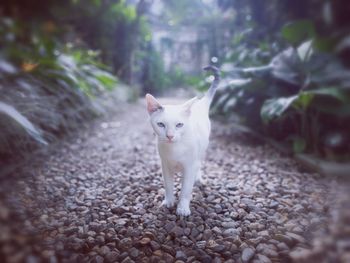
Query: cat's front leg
[[189, 177], [168, 177]]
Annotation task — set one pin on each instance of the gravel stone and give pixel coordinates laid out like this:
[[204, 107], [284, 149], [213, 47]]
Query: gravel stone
[[145, 241], [133, 252], [180, 255], [112, 257], [125, 243], [97, 198], [247, 254]]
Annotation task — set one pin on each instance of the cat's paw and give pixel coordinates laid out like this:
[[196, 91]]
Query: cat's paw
[[183, 210], [168, 202]]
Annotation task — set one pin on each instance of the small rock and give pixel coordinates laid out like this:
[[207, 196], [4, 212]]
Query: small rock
[[118, 210], [194, 232], [284, 238], [186, 241], [263, 258], [201, 244], [230, 224], [94, 226], [300, 255], [263, 233], [145, 241], [100, 240], [121, 222], [76, 244], [298, 208], [180, 255], [149, 235], [231, 187], [282, 246], [273, 204], [154, 245], [269, 252], [125, 243], [97, 259], [134, 253], [32, 259], [218, 248], [177, 231], [247, 254], [217, 230], [71, 230], [207, 234], [128, 260], [231, 232], [168, 258], [104, 250], [168, 249], [112, 257], [296, 237], [169, 226]]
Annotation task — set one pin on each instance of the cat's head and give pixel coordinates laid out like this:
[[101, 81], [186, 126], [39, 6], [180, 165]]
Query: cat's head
[[169, 122]]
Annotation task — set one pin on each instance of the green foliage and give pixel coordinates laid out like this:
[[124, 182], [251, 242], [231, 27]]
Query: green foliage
[[40, 54], [153, 76], [298, 31], [21, 121], [47, 86], [301, 96], [276, 107]]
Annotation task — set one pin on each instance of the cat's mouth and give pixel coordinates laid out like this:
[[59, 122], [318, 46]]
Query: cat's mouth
[[168, 141]]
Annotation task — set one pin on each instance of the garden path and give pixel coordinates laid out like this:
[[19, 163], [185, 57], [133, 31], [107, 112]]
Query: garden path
[[96, 198]]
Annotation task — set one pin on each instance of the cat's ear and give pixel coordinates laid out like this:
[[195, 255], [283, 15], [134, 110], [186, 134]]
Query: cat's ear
[[152, 104], [188, 105]]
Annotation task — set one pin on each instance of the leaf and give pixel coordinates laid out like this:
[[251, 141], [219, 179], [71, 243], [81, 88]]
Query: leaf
[[335, 92], [223, 99], [6, 67], [107, 80], [258, 71], [28, 66], [287, 66], [229, 104], [324, 44], [298, 31], [274, 108], [344, 44], [305, 50], [299, 145], [97, 2], [303, 100], [21, 120], [238, 82]]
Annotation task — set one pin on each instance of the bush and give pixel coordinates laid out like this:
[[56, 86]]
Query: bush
[[46, 87], [300, 97]]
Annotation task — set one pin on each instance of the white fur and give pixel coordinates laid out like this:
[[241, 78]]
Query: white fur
[[185, 152]]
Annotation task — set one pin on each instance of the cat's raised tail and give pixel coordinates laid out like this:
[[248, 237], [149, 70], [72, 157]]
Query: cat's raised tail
[[214, 85]]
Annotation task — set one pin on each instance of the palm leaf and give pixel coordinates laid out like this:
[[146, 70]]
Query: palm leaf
[[22, 121]]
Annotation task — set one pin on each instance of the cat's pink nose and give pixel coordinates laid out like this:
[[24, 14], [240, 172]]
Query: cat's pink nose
[[170, 137]]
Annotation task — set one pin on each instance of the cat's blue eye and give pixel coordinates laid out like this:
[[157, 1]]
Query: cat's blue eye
[[161, 124], [179, 125]]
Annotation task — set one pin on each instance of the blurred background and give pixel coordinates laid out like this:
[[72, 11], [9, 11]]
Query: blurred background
[[285, 66]]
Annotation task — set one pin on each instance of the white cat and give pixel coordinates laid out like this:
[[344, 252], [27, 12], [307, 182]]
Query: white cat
[[183, 136]]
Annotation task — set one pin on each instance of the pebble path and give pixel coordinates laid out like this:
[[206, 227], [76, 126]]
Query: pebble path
[[96, 198]]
